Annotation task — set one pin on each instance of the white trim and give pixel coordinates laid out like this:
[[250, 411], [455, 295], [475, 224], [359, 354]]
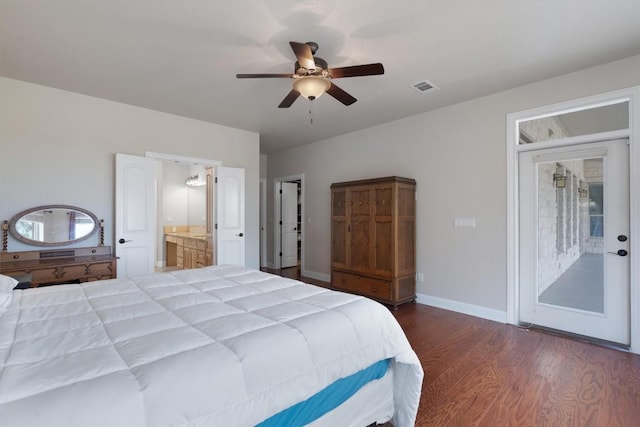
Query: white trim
[[263, 222], [276, 218], [634, 208], [462, 307], [574, 140], [182, 159], [315, 275], [586, 103], [632, 95]]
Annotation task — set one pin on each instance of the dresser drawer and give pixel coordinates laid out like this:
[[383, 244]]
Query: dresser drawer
[[378, 289], [345, 281], [374, 288], [72, 272], [44, 275], [101, 269]]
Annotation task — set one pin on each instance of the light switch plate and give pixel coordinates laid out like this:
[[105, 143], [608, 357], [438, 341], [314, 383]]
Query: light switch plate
[[464, 223]]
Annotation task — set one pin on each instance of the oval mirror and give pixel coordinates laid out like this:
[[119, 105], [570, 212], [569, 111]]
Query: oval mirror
[[53, 225]]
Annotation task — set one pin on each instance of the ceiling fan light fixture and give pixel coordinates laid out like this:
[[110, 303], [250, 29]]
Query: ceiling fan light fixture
[[311, 87]]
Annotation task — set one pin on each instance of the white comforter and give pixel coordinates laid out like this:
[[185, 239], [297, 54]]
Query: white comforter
[[223, 345]]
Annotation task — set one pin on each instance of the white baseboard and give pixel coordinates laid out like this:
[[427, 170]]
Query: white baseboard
[[160, 264], [315, 275], [464, 308]]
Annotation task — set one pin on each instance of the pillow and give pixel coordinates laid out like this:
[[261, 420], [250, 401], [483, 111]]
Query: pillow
[[6, 290]]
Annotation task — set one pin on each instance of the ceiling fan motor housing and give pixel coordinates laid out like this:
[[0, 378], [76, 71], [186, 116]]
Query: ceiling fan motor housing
[[321, 64]]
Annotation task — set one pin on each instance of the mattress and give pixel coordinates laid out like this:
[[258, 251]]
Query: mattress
[[222, 345]]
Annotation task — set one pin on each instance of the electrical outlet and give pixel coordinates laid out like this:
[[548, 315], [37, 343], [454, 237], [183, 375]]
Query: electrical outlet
[[419, 277]]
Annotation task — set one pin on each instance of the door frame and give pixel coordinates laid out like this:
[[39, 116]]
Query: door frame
[[277, 217], [631, 95], [263, 222], [165, 157]]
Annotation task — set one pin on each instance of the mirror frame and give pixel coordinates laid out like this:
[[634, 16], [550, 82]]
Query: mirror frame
[[17, 236]]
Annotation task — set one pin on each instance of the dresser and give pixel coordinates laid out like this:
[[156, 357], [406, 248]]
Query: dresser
[[58, 266], [373, 227]]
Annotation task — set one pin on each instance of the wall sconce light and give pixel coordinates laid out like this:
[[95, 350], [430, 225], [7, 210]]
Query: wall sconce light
[[194, 181], [583, 192], [559, 180]]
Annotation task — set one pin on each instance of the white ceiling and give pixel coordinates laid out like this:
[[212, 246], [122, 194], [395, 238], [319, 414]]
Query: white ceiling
[[181, 57]]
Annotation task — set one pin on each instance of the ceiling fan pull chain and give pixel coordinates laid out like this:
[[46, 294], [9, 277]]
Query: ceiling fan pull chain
[[310, 112]]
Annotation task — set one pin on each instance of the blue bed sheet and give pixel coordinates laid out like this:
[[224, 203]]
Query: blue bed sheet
[[327, 399]]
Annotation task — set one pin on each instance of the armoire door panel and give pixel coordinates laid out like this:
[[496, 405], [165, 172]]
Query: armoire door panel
[[383, 263], [339, 243], [360, 245], [360, 201], [383, 204], [339, 203]]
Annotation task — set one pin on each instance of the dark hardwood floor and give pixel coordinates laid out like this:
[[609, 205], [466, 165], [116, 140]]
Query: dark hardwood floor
[[483, 373]]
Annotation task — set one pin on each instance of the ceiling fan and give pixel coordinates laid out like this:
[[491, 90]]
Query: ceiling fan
[[312, 76]]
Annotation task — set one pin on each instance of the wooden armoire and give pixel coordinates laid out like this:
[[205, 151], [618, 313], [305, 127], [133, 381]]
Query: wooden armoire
[[373, 229]]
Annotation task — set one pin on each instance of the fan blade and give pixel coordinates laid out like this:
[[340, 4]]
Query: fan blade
[[260, 76], [304, 55], [340, 95], [357, 71], [289, 99]]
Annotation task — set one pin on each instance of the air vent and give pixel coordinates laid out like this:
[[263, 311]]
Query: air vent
[[424, 86]]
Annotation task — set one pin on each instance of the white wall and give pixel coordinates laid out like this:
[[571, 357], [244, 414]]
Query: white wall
[[175, 194], [457, 155], [59, 147]]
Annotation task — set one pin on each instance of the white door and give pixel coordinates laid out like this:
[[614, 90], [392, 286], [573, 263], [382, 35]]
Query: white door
[[289, 224], [230, 215], [574, 228], [135, 215]]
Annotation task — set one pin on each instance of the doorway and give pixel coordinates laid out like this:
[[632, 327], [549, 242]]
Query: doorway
[[289, 224], [574, 228], [570, 127]]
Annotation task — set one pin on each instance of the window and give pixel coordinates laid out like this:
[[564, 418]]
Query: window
[[596, 212]]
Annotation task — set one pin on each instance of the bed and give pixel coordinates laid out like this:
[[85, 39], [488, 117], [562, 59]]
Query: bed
[[221, 345]]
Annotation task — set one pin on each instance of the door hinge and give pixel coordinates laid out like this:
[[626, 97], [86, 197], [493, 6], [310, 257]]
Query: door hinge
[[280, 222], [281, 191], [216, 180], [280, 253], [216, 226]]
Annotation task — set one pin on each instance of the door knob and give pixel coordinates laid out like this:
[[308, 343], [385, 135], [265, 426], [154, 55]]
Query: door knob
[[240, 234], [121, 241], [621, 252]]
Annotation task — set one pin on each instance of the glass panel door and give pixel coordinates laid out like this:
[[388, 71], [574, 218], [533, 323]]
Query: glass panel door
[[574, 223]]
